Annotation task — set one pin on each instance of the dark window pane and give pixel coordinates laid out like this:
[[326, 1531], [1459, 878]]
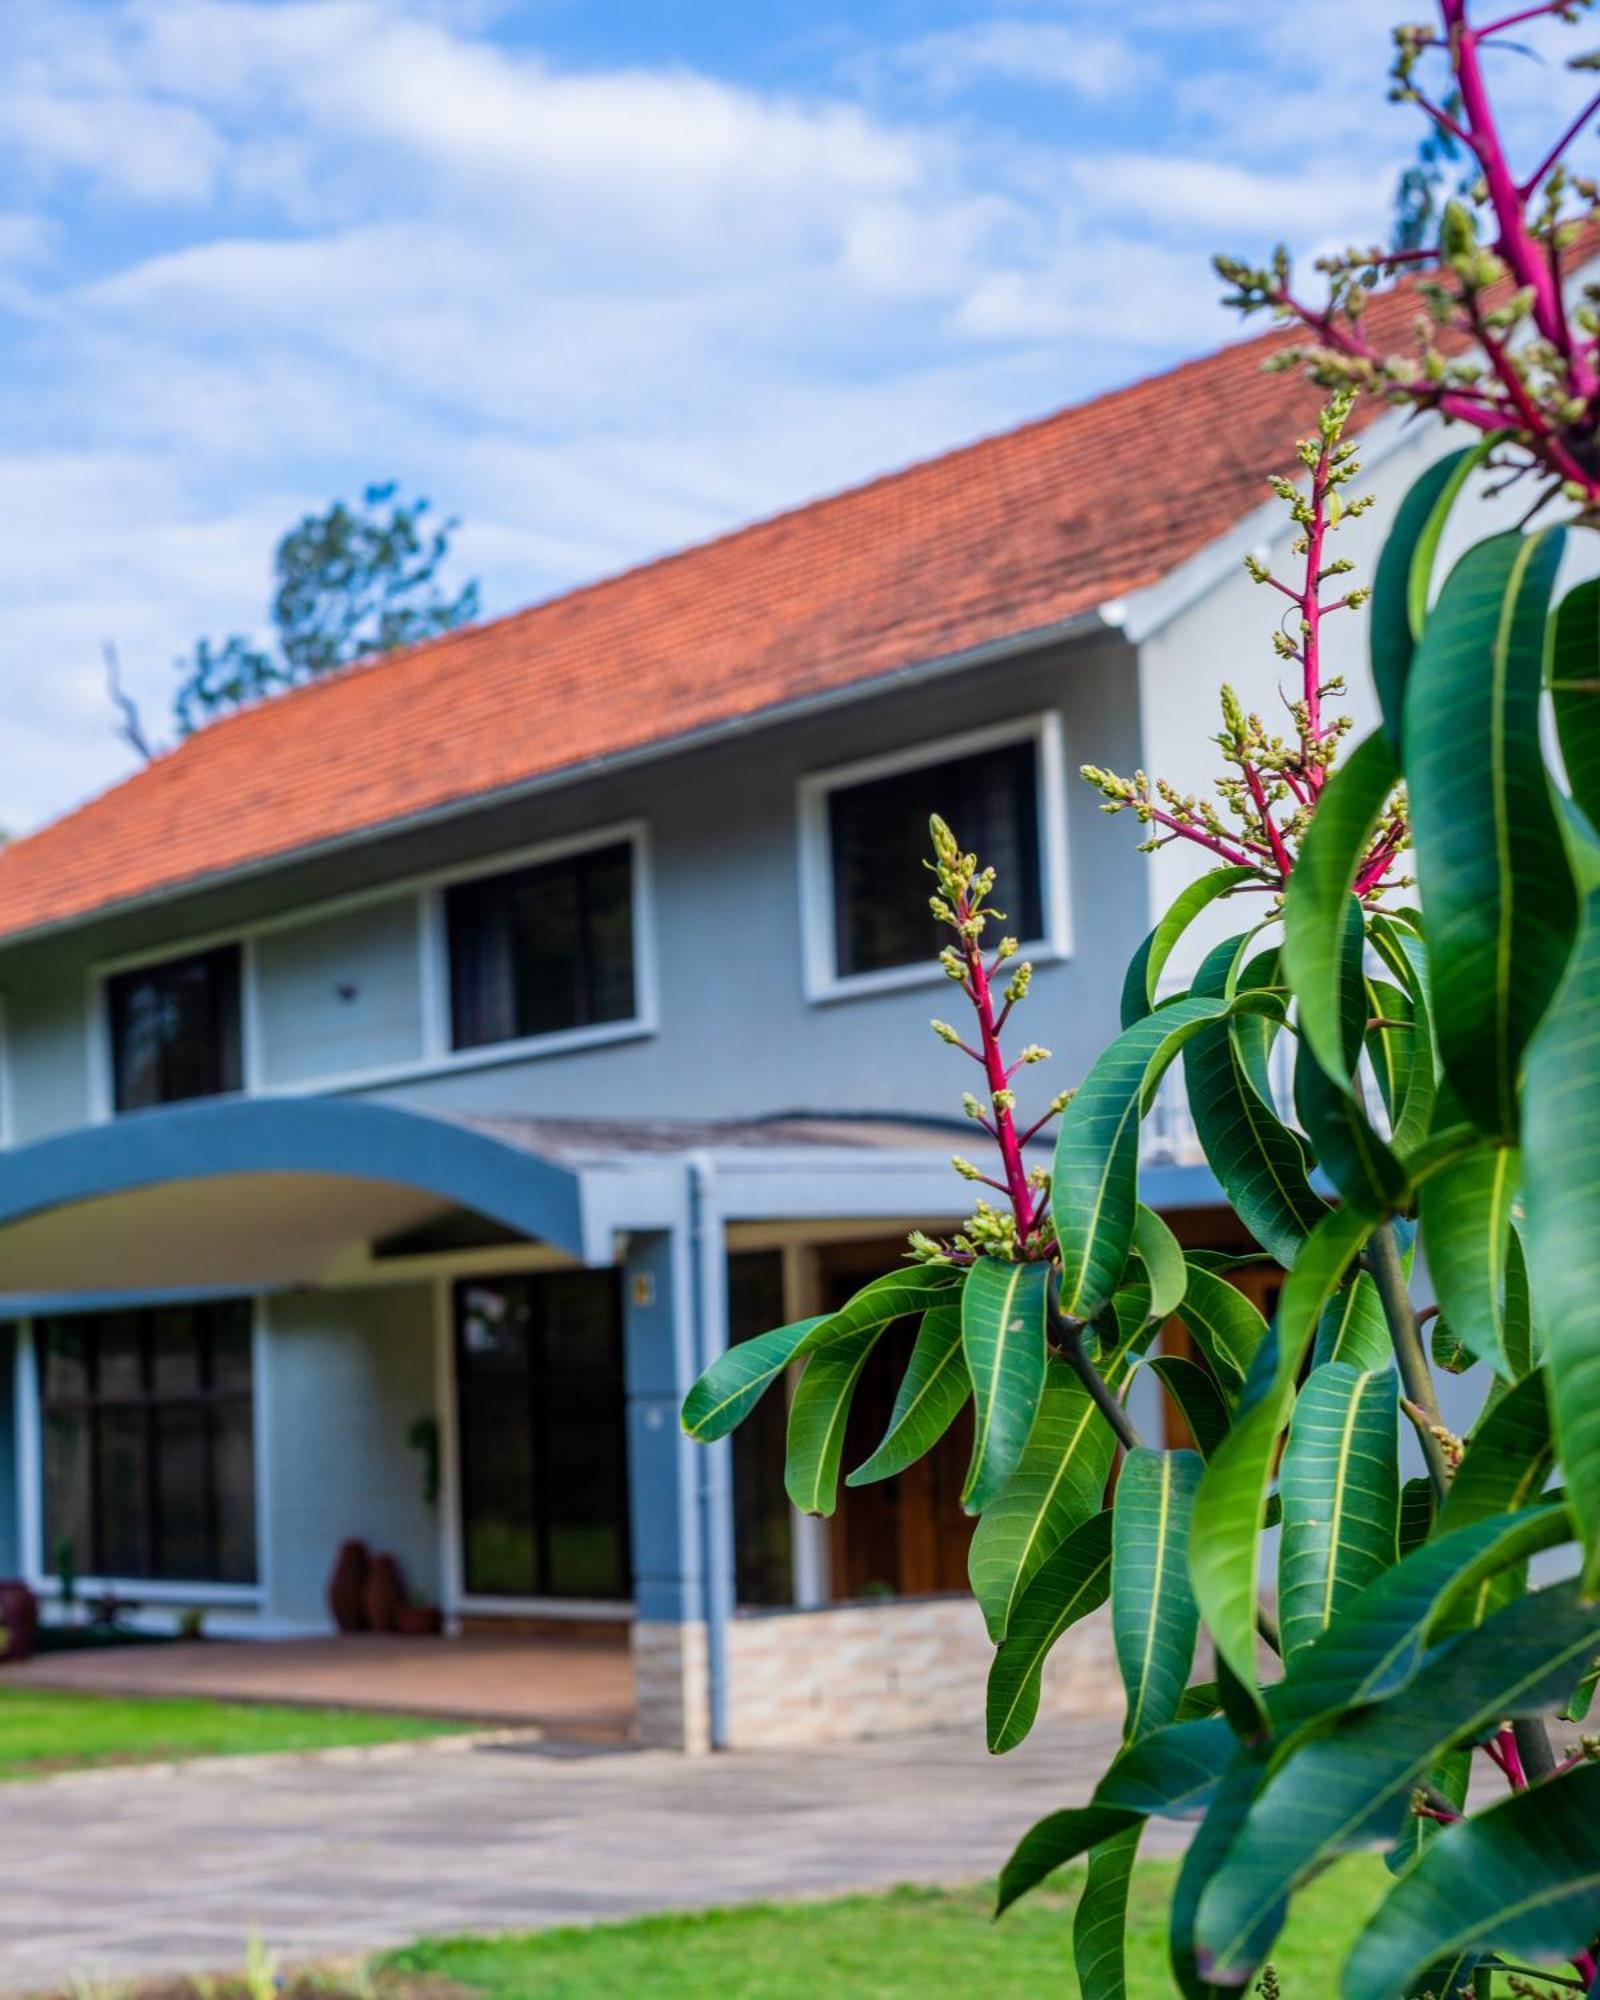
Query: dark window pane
[[67, 1492], [878, 838], [494, 1359], [543, 949], [762, 1520], [124, 1493], [175, 1352], [231, 1345], [65, 1347], [120, 1348], [175, 1030], [182, 1473], [234, 1473]]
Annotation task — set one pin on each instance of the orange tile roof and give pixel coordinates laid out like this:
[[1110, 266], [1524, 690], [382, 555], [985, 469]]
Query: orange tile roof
[[1008, 536]]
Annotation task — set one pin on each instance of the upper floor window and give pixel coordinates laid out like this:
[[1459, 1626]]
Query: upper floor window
[[543, 949], [865, 829], [175, 1030]]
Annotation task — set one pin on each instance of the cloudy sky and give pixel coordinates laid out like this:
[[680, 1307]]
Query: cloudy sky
[[600, 276]]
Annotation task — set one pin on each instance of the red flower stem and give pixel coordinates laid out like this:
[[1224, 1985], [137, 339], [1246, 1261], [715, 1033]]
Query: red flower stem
[[1584, 1962], [1511, 1760], [1516, 20], [1235, 856], [1015, 1184], [1561, 145], [1280, 853]]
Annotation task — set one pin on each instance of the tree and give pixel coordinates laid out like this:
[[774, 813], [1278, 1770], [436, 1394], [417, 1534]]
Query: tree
[[351, 583], [1445, 1105]]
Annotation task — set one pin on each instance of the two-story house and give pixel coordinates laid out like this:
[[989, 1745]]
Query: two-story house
[[482, 1036]]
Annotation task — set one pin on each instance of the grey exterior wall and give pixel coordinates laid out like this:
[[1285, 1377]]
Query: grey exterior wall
[[737, 1035], [345, 1375]]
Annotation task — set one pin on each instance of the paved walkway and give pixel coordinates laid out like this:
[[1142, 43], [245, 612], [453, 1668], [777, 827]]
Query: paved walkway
[[571, 1686], [116, 1874]]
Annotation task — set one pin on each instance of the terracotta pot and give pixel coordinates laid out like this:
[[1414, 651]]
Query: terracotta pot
[[385, 1595], [419, 1621], [347, 1586], [19, 1619]]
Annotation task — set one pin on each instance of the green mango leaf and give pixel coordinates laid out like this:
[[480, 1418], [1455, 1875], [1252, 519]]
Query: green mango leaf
[[1340, 1482], [1517, 1331], [1093, 1195], [1519, 1879], [1490, 856], [1143, 979], [1225, 1541], [1505, 1469], [1465, 1210], [1059, 1483], [1359, 1163], [1260, 1163], [1561, 1187], [1003, 1336], [1212, 1843], [1154, 1618], [1225, 1326], [1450, 1778], [932, 1393], [1401, 584], [1162, 1256], [1173, 1771], [1417, 1508], [740, 1376], [817, 1419], [1352, 1787], [1318, 904], [1057, 1839], [1448, 1353], [1353, 1329], [1100, 1922], [1199, 1401], [1575, 691], [736, 1381], [1073, 1581]]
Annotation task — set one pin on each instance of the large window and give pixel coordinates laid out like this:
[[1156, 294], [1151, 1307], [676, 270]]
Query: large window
[[544, 1481], [149, 1462], [175, 1030], [867, 829], [543, 949]]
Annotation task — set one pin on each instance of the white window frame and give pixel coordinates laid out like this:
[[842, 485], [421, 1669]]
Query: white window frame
[[823, 980], [426, 894]]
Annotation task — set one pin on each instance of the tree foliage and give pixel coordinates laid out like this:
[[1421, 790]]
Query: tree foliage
[[352, 582], [1444, 1042]]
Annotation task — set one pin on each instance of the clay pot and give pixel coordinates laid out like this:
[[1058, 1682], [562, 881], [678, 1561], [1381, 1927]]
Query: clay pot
[[385, 1595], [19, 1619], [347, 1586], [419, 1621]]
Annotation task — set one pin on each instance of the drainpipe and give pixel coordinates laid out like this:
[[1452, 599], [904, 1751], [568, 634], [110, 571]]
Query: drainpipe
[[710, 1269]]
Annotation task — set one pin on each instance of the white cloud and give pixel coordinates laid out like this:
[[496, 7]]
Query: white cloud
[[1053, 53]]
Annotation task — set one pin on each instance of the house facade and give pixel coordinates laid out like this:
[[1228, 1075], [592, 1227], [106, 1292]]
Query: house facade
[[411, 1084]]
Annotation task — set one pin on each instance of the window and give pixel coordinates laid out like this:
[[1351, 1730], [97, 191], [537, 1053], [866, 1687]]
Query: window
[[149, 1456], [542, 949], [544, 1473], [867, 834], [175, 1030], [763, 1521]]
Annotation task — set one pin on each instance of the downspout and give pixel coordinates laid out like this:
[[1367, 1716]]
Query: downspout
[[710, 1280]]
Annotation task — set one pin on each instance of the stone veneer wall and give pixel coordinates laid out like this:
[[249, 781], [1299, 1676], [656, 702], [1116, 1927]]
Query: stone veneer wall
[[852, 1670]]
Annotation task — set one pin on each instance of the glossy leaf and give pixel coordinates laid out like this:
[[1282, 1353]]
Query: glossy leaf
[[1261, 1165], [1225, 1326], [1505, 1469], [1059, 1483], [1352, 1327], [1465, 1211], [1003, 1336], [817, 1418], [1352, 1787], [1057, 1839], [1575, 691], [932, 1394], [1172, 1772], [1072, 1582], [1143, 980], [1318, 905], [1162, 1257], [1199, 1401], [1100, 1922], [1490, 855], [1561, 1176], [1225, 1543], [1093, 1188], [1520, 1879], [1417, 1513], [1361, 1165], [1402, 581], [1517, 1329], [1212, 1843], [1340, 1482], [1154, 1618]]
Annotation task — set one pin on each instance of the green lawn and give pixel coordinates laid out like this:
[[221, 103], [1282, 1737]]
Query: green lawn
[[906, 1945], [41, 1731]]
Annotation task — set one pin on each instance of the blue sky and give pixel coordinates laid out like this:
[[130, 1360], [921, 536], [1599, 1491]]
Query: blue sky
[[600, 278]]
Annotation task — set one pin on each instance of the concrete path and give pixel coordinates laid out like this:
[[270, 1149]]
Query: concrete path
[[117, 1874]]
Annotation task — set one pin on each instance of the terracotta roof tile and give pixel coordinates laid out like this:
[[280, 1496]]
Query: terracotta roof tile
[[1010, 535]]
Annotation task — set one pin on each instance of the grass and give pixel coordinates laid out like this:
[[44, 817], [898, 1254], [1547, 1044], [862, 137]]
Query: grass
[[42, 1732], [910, 1942]]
